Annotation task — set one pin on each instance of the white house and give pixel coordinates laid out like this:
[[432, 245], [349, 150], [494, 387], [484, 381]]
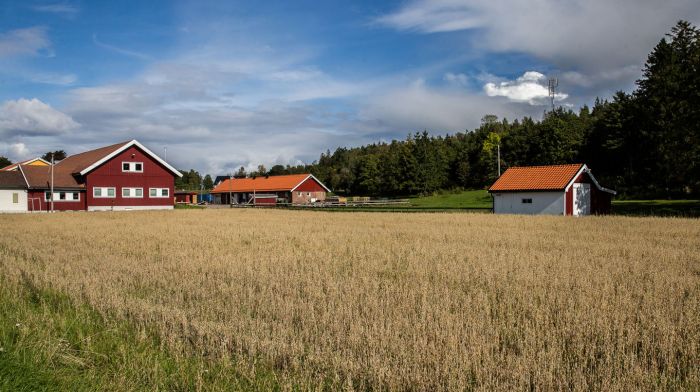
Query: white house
[[13, 191], [553, 190]]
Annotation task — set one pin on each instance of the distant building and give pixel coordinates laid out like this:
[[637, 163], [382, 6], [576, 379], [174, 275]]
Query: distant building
[[30, 162], [553, 190], [186, 197], [123, 176], [270, 190]]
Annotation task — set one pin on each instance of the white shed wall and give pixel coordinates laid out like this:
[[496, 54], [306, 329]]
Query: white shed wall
[[548, 203], [6, 204]]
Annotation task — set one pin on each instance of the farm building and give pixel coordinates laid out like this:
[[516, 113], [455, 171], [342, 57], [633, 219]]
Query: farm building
[[186, 197], [270, 190], [13, 191], [553, 190], [123, 176], [29, 162]]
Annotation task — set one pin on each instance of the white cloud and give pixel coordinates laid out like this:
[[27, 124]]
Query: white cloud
[[19, 150], [528, 88], [419, 107], [29, 41], [593, 35], [32, 117]]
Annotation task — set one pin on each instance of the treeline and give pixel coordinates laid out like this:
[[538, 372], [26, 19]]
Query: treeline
[[643, 144]]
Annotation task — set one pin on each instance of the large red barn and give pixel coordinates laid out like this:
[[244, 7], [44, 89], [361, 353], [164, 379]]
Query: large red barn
[[123, 176]]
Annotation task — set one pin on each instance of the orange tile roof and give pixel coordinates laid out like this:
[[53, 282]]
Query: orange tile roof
[[536, 178], [260, 184]]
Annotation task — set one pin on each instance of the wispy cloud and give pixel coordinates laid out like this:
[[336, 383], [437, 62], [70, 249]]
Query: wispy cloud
[[63, 9], [125, 52], [28, 41]]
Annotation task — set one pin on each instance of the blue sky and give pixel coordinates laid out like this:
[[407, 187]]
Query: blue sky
[[229, 84]]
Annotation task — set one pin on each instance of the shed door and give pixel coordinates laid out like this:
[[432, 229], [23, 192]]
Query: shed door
[[582, 199]]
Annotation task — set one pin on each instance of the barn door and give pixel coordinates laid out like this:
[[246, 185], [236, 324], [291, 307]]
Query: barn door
[[582, 199]]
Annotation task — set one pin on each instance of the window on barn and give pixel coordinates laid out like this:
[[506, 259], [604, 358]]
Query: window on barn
[[15, 198], [103, 192], [132, 192], [159, 192], [527, 201], [132, 167]]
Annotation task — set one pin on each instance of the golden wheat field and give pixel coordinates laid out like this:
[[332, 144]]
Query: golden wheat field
[[390, 301]]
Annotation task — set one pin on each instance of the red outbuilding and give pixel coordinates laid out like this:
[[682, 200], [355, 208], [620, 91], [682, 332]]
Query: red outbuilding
[[123, 176]]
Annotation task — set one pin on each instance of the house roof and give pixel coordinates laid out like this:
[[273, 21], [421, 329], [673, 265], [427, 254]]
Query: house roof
[[536, 178], [12, 180], [110, 152], [39, 177], [78, 162], [34, 162], [265, 184]]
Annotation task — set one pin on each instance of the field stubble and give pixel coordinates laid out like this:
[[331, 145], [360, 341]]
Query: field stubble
[[389, 301]]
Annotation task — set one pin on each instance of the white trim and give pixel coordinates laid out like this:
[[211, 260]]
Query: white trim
[[122, 149], [132, 164], [128, 208], [585, 168], [106, 189], [25, 177], [310, 176]]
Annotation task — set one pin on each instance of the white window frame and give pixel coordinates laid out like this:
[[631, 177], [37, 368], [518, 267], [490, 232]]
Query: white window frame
[[57, 197], [105, 192], [132, 193], [132, 167], [159, 193]]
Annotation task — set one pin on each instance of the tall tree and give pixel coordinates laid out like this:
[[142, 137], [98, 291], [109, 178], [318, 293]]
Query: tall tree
[[4, 161], [58, 155]]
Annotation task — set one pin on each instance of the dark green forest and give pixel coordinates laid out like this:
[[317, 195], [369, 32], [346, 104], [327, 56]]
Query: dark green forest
[[645, 144]]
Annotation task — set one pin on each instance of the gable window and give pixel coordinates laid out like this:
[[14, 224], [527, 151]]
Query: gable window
[[132, 167], [132, 192], [527, 201], [103, 192], [159, 192]]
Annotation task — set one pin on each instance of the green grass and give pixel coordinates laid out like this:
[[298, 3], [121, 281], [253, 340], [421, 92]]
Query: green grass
[[47, 343], [188, 207], [685, 208], [454, 200]]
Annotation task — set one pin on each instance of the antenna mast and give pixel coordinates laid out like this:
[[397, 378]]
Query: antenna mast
[[552, 85]]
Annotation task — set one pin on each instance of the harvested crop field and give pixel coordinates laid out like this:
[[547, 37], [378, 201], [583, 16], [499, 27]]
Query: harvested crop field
[[387, 300]]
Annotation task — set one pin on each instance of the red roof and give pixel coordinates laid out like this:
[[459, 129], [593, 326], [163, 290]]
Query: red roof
[[263, 184], [536, 178]]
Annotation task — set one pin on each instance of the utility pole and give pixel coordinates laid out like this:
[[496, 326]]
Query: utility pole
[[52, 163], [165, 157], [499, 158]]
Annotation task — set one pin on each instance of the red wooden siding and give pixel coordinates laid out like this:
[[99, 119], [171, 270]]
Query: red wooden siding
[[110, 174], [310, 185], [35, 202]]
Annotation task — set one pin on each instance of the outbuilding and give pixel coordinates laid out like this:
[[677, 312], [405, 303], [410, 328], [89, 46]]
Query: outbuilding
[[270, 190], [552, 190]]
